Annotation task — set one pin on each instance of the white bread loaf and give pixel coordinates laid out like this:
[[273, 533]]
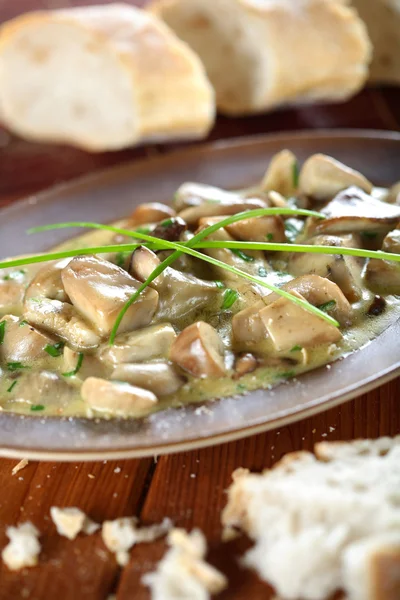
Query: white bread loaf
[[382, 18], [101, 78], [260, 54], [325, 522]]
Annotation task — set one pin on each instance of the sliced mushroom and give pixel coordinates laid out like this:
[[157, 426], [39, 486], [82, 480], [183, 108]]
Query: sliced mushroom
[[191, 194], [318, 291], [145, 344], [160, 377], [353, 211], [383, 276], [99, 290], [345, 271], [391, 243], [322, 177], [44, 388], [281, 174], [117, 398], [288, 325], [247, 326], [22, 343], [227, 204], [12, 290], [259, 229], [180, 293], [47, 283], [394, 194], [151, 212], [62, 320], [198, 349], [245, 363]]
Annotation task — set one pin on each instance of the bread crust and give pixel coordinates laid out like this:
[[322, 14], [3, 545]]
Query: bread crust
[[296, 51], [171, 97]]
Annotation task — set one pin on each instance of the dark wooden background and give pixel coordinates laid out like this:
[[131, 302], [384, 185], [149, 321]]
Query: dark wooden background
[[189, 487]]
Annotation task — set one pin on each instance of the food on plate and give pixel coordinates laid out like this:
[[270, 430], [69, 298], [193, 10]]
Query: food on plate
[[218, 294], [259, 55], [183, 572], [325, 522], [101, 78], [71, 520]]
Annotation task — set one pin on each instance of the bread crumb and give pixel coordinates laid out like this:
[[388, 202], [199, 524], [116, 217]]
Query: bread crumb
[[117, 470], [23, 548], [183, 572], [91, 476], [121, 534], [331, 429], [71, 521], [19, 466]]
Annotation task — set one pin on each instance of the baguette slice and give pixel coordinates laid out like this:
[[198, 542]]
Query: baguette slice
[[100, 78], [260, 54], [382, 18], [320, 523]]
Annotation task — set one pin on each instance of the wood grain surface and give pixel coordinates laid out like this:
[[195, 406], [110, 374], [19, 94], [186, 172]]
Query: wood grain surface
[[190, 487]]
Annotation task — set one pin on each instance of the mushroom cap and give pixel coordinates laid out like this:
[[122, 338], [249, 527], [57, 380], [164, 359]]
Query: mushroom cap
[[199, 350], [117, 398]]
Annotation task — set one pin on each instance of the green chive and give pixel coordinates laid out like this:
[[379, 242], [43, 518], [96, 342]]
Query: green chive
[[166, 223], [241, 387], [292, 231], [121, 257], [243, 256], [220, 285], [16, 366], [2, 331], [270, 237], [230, 297], [295, 174], [14, 275], [23, 322], [54, 350], [296, 349], [37, 407], [327, 306], [77, 368], [12, 386]]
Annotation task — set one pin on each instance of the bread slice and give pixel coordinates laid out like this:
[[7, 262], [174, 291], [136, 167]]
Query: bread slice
[[101, 78], [324, 522], [262, 54], [382, 18]]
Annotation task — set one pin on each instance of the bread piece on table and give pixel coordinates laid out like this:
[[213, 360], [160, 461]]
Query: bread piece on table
[[260, 54], [382, 18], [321, 522], [101, 78]]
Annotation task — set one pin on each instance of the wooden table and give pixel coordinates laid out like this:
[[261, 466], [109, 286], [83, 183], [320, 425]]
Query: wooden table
[[189, 487]]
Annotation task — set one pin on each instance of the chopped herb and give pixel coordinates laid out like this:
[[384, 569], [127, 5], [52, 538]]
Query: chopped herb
[[12, 386], [16, 366], [241, 387], [230, 297], [2, 331], [143, 229], [23, 322], [262, 272], [166, 223], [54, 350], [369, 235], [211, 201], [295, 174], [243, 255], [77, 368], [327, 306], [120, 258], [296, 349], [15, 275], [287, 374], [270, 237], [36, 407], [220, 285]]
